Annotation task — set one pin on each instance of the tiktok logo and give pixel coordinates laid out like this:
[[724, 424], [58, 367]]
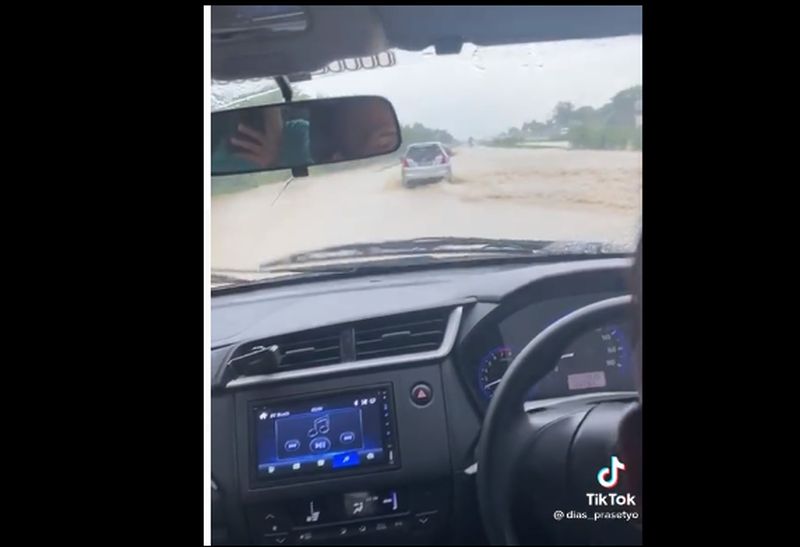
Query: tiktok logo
[[609, 476]]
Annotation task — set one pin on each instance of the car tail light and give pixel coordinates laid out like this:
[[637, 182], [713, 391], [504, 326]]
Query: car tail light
[[404, 162]]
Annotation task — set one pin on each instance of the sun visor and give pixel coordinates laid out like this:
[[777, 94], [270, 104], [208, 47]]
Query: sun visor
[[258, 41]]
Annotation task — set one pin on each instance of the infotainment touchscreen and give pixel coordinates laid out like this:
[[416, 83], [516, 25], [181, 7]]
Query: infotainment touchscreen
[[326, 434]]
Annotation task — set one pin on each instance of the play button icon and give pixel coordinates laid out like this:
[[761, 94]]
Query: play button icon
[[421, 394]]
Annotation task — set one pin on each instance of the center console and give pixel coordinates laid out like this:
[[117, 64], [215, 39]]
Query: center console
[[360, 459], [391, 515]]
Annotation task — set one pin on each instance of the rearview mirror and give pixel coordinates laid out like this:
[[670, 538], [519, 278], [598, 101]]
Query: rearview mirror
[[302, 134]]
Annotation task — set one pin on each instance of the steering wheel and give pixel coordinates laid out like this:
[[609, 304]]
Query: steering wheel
[[530, 468]]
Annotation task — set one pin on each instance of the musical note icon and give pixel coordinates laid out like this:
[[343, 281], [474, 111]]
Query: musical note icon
[[611, 482], [321, 426]]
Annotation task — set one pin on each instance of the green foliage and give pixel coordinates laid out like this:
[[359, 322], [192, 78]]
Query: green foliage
[[610, 127], [507, 142], [605, 137], [562, 114], [637, 139]]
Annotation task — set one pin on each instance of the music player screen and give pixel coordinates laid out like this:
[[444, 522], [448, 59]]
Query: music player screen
[[328, 434]]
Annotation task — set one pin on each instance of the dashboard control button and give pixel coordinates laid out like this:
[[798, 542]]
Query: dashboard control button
[[270, 520], [426, 521], [275, 539], [310, 512], [276, 526], [308, 536], [347, 459], [319, 445], [292, 445], [399, 525], [421, 394]]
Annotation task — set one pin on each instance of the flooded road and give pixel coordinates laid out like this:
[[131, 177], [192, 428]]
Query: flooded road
[[496, 193]]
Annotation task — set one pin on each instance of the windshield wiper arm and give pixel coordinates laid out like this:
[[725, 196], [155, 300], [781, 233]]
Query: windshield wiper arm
[[419, 246], [465, 246]]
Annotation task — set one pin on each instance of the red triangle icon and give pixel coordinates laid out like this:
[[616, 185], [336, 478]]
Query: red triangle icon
[[421, 394]]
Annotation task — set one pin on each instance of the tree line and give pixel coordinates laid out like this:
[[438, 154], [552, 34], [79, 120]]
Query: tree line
[[614, 126]]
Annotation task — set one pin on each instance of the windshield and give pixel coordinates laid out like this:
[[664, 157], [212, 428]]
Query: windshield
[[426, 153], [536, 142]]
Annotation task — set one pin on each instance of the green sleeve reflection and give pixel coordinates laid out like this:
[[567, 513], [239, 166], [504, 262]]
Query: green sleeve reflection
[[296, 145]]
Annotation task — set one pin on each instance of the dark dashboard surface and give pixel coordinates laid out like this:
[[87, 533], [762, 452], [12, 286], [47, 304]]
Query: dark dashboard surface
[[237, 317], [349, 486]]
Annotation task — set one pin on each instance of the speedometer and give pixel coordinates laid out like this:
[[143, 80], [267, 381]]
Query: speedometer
[[492, 368], [597, 361]]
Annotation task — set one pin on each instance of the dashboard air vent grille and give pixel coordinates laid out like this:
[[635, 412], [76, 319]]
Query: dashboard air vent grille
[[409, 333]]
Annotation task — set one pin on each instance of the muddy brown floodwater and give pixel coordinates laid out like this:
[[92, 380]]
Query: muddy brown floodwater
[[496, 192]]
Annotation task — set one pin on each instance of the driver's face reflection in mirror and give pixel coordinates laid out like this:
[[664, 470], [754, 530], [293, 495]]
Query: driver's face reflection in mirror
[[371, 130], [363, 129]]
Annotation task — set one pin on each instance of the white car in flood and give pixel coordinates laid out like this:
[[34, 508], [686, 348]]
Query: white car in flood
[[426, 161]]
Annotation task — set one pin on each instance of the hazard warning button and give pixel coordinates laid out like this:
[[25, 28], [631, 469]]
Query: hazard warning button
[[421, 394]]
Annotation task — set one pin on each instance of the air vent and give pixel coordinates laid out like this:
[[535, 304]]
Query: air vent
[[310, 349], [293, 351], [409, 333]]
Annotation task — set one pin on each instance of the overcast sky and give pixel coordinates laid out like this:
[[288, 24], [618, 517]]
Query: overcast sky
[[484, 91]]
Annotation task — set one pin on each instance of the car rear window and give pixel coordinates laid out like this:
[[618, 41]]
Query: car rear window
[[424, 153]]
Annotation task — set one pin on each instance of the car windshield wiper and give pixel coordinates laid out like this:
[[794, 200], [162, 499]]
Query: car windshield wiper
[[444, 246], [381, 266], [247, 276], [358, 261], [221, 279]]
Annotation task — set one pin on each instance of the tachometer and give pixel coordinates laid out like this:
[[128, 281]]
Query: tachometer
[[492, 368]]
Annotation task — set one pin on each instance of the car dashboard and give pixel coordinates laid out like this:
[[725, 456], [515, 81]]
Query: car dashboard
[[347, 411]]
